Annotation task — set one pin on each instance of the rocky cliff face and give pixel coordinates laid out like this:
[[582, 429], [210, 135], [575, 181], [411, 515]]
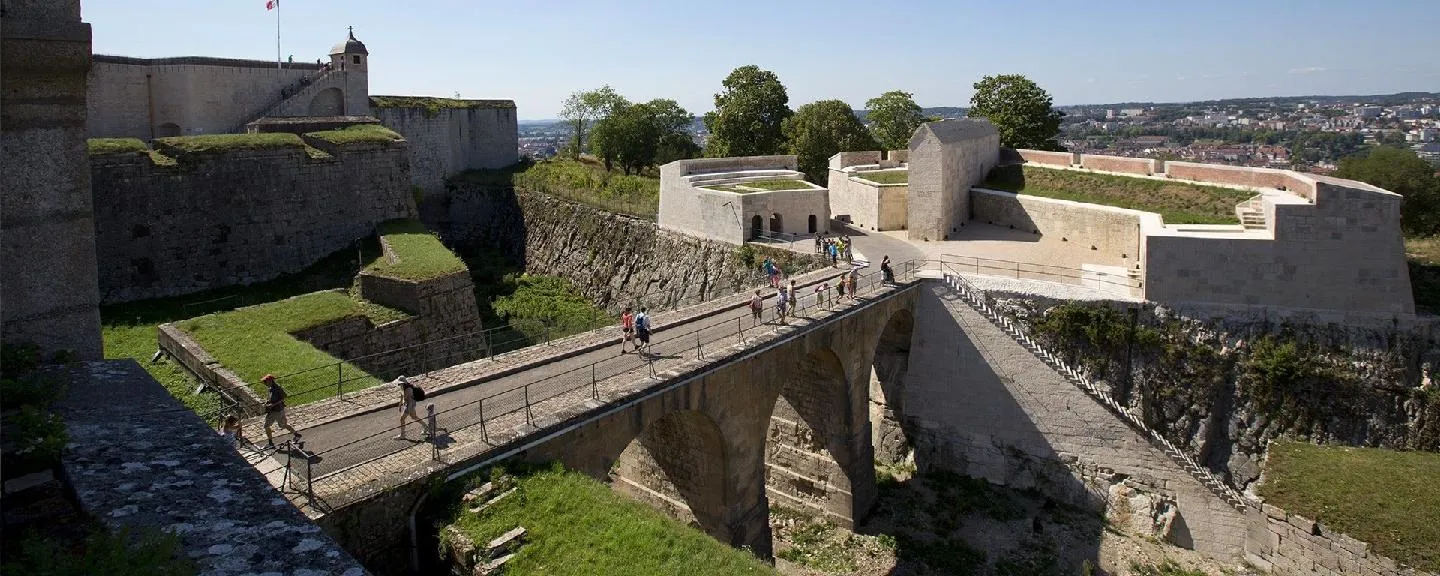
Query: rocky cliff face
[[613, 259], [1223, 387]]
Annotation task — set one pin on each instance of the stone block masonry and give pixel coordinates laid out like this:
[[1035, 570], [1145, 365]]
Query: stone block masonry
[[47, 230], [451, 140], [1113, 233], [237, 217], [1292, 545], [1140, 166]]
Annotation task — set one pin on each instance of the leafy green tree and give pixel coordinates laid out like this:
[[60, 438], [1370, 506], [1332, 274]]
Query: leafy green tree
[[1400, 171], [629, 136], [893, 117], [818, 130], [582, 109], [1020, 110], [748, 114], [673, 122]]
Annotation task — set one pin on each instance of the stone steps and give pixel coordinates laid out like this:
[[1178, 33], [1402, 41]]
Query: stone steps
[[970, 296]]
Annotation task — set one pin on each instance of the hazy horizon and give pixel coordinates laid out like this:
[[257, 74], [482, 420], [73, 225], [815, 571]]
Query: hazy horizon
[[538, 53]]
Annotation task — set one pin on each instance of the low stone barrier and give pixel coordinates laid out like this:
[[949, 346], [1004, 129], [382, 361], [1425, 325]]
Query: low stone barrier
[[194, 358], [1141, 166], [1052, 158], [1293, 544]]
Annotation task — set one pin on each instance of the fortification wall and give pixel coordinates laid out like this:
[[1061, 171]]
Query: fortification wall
[[449, 141], [128, 97], [869, 206], [1343, 252], [1112, 234], [1052, 158], [47, 233], [1140, 166], [946, 158], [726, 216], [1293, 545], [237, 217]]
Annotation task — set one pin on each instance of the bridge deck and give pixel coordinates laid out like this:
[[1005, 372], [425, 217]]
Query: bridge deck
[[358, 453]]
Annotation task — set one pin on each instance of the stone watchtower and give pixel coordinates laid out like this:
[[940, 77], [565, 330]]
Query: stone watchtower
[[352, 60]]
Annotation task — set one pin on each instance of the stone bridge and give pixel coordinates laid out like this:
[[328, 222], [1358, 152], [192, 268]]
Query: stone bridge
[[738, 417]]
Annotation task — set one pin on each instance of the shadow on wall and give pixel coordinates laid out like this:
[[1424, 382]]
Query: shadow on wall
[[480, 216], [1006, 177]]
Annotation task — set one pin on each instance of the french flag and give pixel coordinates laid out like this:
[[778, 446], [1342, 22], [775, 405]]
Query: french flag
[[271, 4]]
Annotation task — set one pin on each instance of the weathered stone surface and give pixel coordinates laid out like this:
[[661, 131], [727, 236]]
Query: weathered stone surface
[[449, 141], [138, 458], [1292, 548]]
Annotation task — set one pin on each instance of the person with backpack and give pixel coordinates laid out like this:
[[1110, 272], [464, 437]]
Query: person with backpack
[[886, 272], [275, 410], [780, 304], [757, 306], [409, 394], [642, 331]]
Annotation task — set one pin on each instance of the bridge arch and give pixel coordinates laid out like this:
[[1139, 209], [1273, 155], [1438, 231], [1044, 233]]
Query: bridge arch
[[678, 464], [888, 370], [810, 461]]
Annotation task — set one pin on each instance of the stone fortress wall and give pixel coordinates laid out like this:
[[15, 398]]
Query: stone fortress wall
[[237, 217], [946, 159], [1326, 243], [450, 140], [864, 203], [688, 208]]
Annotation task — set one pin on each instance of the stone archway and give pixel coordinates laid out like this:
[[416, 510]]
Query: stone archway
[[887, 389], [677, 464], [329, 102], [757, 227], [808, 451], [777, 224]]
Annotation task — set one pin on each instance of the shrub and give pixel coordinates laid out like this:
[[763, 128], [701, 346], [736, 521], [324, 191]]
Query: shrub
[[123, 553]]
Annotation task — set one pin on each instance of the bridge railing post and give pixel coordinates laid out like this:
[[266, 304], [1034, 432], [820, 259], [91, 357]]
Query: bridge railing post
[[594, 383], [699, 352], [739, 332], [529, 418], [339, 379], [484, 434], [430, 430]]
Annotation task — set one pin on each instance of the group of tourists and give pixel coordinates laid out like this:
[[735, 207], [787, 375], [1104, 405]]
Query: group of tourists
[[275, 414], [635, 330], [834, 248]]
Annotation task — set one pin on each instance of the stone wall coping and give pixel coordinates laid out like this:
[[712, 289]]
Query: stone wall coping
[[190, 354], [1339, 542]]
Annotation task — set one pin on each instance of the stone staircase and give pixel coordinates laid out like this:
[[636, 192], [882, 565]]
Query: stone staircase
[[976, 300], [296, 90], [1252, 213]]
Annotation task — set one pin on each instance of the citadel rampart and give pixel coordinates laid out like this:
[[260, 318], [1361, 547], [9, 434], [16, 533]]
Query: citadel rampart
[[696, 198], [1111, 234], [864, 203], [1324, 243], [237, 216], [447, 140]]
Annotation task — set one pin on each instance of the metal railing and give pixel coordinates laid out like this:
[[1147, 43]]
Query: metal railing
[[584, 382], [976, 299], [1032, 271]]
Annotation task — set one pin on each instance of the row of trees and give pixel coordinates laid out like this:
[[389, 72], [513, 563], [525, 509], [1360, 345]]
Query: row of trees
[[752, 117]]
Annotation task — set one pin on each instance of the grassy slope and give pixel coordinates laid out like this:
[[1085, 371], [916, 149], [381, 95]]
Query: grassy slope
[[226, 142], [1424, 256], [1176, 202], [419, 253], [577, 525], [256, 340], [582, 181], [886, 176], [129, 329], [357, 133], [104, 146], [1389, 499]]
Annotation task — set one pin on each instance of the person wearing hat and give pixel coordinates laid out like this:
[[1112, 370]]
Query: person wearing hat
[[275, 410], [407, 405]]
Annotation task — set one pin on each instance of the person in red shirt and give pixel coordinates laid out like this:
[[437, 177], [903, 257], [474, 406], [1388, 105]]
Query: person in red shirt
[[627, 328]]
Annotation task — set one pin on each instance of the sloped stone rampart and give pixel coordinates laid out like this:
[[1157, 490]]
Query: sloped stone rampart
[[1293, 545], [237, 217]]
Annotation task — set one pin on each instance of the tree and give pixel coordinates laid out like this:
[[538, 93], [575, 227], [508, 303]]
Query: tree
[[640, 135], [582, 109], [1020, 110], [893, 117], [748, 114], [1400, 171], [673, 124], [819, 130]]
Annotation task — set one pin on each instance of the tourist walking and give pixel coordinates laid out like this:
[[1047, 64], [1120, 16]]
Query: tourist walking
[[780, 304], [642, 331], [408, 395], [275, 410], [822, 290], [627, 327], [834, 251], [794, 297], [886, 272], [850, 282], [232, 432], [757, 306], [819, 242], [839, 289]]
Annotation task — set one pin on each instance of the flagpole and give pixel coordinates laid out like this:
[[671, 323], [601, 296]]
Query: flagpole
[[278, 59]]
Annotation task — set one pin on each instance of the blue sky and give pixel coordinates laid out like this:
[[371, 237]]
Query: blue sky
[[536, 52]]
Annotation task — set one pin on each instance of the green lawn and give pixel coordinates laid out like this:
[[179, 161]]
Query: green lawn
[[578, 526], [210, 143], [1176, 202], [433, 106], [104, 146], [1424, 257], [357, 133], [419, 253], [771, 185], [256, 340], [1387, 498], [582, 181], [885, 176]]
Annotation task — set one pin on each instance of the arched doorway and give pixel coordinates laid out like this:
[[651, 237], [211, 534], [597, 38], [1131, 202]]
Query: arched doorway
[[329, 102], [808, 450], [888, 425], [757, 227], [813, 224], [167, 130], [776, 225], [677, 464]]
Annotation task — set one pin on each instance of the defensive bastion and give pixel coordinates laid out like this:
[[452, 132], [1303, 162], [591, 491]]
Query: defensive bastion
[[738, 199]]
